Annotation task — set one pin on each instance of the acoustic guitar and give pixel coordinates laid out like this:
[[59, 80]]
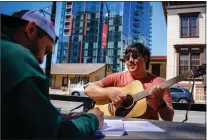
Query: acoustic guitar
[[135, 104]]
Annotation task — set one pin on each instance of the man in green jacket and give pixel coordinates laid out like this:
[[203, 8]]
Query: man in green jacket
[[26, 110]]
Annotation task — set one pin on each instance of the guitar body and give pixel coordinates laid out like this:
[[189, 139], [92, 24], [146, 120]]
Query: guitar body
[[138, 108]]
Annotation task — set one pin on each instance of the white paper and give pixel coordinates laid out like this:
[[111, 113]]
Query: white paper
[[112, 128], [141, 126]]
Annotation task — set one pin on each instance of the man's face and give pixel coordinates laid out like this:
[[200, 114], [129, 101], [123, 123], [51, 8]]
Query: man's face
[[39, 45], [135, 62], [43, 46]]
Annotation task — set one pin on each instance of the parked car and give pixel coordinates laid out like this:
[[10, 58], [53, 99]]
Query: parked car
[[180, 94], [79, 91]]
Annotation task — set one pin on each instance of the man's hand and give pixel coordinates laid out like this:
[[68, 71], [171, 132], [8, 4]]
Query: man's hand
[[157, 95], [99, 114], [116, 97]]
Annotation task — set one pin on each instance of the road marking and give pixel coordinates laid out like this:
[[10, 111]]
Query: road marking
[[189, 116]]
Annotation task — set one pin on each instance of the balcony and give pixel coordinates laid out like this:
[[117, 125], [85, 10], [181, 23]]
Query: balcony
[[136, 37], [136, 25], [68, 10], [67, 13], [136, 18], [68, 3], [68, 6], [66, 26], [67, 20], [137, 13], [140, 6], [136, 30], [66, 33]]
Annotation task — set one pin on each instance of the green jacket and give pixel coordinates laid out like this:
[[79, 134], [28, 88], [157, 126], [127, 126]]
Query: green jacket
[[26, 110]]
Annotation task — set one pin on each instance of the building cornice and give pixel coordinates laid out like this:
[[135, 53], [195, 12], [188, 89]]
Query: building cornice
[[186, 6]]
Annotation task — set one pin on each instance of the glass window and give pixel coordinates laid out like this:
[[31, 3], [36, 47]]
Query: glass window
[[119, 44], [184, 63], [173, 90], [184, 26], [64, 52], [110, 52], [110, 60], [110, 44], [65, 38], [82, 17], [94, 52], [80, 38], [81, 24], [85, 52], [94, 60], [86, 46], [97, 15], [111, 28], [80, 30], [85, 59], [95, 45], [179, 90], [118, 61], [89, 16], [188, 61], [111, 22], [117, 68], [120, 28], [119, 52], [189, 25], [195, 60], [193, 26]]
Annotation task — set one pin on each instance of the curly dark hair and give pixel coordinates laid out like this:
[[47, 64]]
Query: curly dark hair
[[139, 48]]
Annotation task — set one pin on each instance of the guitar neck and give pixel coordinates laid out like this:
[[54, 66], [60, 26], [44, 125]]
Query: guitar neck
[[163, 85]]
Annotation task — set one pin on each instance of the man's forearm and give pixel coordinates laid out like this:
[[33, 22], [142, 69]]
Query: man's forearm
[[82, 127], [96, 92], [166, 113]]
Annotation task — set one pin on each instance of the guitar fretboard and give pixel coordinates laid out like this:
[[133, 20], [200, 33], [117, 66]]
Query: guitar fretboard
[[146, 92]]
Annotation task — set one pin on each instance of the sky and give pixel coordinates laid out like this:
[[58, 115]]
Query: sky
[[159, 30]]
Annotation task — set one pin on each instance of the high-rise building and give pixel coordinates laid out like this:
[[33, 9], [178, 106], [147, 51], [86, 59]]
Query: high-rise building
[[81, 30]]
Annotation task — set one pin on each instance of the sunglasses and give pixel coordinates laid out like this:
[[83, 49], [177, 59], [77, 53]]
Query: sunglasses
[[134, 56]]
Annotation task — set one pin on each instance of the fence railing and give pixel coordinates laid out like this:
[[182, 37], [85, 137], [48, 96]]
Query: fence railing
[[88, 102]]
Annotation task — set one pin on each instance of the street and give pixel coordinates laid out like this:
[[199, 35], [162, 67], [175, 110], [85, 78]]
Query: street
[[179, 116], [193, 116]]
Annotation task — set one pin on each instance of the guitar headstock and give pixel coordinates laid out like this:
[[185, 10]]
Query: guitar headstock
[[199, 70]]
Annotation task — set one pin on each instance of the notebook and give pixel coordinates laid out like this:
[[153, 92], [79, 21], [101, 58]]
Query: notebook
[[111, 128]]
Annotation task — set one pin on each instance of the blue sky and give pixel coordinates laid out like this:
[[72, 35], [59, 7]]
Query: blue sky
[[159, 31]]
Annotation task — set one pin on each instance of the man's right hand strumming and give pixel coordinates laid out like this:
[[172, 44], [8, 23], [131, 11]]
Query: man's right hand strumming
[[116, 97]]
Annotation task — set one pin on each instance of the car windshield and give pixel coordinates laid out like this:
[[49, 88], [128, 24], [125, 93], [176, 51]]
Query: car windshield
[[186, 90]]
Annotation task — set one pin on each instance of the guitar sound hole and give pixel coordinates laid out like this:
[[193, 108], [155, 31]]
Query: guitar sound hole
[[128, 102]]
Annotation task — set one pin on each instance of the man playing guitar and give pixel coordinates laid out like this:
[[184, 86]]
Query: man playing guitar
[[137, 59]]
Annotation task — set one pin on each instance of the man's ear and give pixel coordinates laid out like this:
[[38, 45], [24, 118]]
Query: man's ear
[[31, 30], [146, 58]]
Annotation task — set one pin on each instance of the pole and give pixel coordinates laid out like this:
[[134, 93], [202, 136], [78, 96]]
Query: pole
[[106, 50], [49, 56]]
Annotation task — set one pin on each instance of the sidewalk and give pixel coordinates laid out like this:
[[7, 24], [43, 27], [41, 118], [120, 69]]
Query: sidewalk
[[58, 92]]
